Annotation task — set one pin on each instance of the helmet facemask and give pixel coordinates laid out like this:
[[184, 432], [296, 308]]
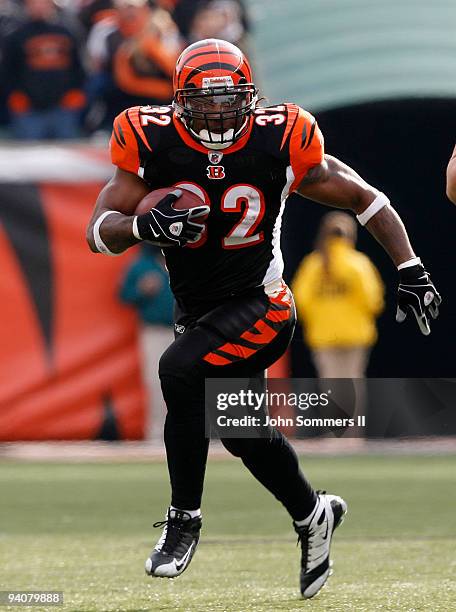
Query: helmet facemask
[[217, 114]]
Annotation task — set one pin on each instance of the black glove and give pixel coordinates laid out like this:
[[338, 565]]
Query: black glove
[[165, 226], [417, 294]]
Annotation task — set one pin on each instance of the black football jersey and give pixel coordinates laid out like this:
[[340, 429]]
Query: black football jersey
[[245, 186]]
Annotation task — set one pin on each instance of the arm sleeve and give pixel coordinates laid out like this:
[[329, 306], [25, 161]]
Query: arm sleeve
[[306, 144], [124, 145]]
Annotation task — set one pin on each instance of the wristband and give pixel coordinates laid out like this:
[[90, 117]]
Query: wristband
[[380, 202], [415, 261], [100, 245], [134, 228]]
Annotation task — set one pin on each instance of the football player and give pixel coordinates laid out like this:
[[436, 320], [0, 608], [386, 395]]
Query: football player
[[234, 314]]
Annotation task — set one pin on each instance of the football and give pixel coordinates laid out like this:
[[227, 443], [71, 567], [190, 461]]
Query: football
[[187, 200]]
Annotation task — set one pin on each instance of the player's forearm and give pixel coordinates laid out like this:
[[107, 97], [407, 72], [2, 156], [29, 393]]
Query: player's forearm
[[115, 231], [387, 227], [121, 194], [451, 179], [340, 186]]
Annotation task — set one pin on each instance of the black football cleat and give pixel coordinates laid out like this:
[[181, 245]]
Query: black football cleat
[[176, 546], [315, 539]]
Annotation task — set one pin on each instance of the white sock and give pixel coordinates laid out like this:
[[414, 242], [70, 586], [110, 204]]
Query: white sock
[[193, 513], [307, 520]]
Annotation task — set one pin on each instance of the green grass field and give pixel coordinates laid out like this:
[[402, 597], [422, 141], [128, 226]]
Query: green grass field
[[86, 529]]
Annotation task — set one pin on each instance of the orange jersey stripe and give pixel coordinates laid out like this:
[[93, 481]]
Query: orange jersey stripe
[[306, 146], [282, 299], [292, 114], [278, 315], [265, 335], [214, 359], [237, 350], [123, 145], [133, 115]]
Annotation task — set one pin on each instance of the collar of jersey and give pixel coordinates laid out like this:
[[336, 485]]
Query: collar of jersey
[[201, 148]]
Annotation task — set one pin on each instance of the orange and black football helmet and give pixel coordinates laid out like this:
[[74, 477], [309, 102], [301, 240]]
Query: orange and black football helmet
[[214, 95]]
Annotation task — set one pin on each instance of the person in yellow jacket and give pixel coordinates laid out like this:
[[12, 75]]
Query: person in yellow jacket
[[338, 294]]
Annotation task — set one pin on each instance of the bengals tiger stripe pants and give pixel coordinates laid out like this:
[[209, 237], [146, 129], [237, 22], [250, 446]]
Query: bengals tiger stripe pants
[[238, 338]]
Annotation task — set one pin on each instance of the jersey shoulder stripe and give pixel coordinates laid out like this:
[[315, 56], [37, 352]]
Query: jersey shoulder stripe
[[134, 135], [292, 116], [292, 134], [134, 118], [124, 145], [303, 142]]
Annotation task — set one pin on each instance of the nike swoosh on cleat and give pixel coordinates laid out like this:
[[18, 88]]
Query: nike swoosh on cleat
[[325, 537], [184, 559]]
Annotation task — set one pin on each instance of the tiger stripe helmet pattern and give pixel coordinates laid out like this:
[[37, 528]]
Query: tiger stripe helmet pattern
[[214, 94]]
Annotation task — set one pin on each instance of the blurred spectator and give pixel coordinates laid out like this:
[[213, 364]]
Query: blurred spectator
[[44, 75], [92, 12], [146, 287], [218, 19], [338, 294], [226, 19], [11, 16], [134, 55], [131, 49]]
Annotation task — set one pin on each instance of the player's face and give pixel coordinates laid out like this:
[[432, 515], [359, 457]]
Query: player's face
[[215, 108]]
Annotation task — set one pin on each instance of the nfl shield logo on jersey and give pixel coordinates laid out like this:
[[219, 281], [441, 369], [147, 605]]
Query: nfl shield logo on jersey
[[215, 158]]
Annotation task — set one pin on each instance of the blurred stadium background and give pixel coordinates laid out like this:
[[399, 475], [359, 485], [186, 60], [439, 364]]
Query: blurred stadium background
[[380, 79]]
